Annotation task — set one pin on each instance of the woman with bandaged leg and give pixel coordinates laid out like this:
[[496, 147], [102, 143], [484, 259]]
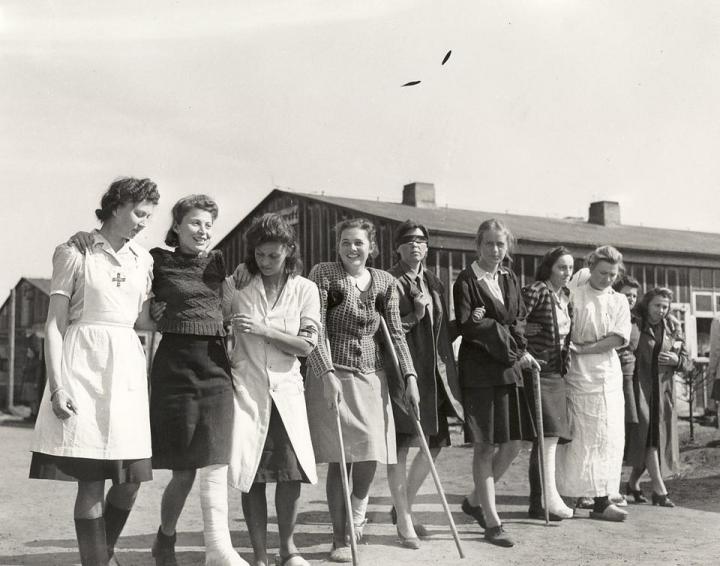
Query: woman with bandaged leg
[[549, 321]]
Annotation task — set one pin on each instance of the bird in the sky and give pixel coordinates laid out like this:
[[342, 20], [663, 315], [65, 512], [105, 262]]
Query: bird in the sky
[[445, 60]]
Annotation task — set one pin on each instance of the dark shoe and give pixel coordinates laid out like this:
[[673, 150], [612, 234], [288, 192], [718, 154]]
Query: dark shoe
[[637, 494], [539, 513], [91, 541], [476, 512], [420, 529], [498, 536], [661, 500], [163, 549], [115, 519]]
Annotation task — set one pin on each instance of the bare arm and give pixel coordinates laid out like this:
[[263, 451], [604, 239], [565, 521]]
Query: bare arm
[[145, 320], [55, 327]]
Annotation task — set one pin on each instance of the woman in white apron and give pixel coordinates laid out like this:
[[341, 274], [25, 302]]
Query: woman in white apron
[[275, 319], [93, 423], [590, 465]]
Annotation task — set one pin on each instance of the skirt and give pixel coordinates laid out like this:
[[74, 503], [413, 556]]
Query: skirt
[[66, 468], [368, 428], [278, 461], [191, 403], [439, 440], [553, 396], [497, 414]]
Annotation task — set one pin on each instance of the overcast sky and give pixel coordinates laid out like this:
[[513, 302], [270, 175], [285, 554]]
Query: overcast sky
[[544, 106]]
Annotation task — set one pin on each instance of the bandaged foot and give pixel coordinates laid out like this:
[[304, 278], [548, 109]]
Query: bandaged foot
[[555, 503], [219, 550], [359, 508]]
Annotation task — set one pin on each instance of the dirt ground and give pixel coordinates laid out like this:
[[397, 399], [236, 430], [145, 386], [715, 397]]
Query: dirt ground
[[36, 525]]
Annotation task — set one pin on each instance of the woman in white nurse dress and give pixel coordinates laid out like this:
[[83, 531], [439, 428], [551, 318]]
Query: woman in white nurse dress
[[93, 423]]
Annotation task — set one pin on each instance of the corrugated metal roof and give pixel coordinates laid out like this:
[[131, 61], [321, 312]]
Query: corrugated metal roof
[[537, 228]]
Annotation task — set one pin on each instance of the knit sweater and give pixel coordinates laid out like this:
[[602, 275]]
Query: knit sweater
[[191, 288]]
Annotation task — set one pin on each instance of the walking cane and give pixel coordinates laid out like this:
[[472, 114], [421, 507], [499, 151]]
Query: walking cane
[[423, 443], [540, 437], [346, 489]]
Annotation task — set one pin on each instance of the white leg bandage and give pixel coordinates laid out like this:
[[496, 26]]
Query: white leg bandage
[[219, 550], [554, 502], [359, 508]]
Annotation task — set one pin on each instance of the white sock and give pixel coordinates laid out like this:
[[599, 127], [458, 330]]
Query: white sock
[[219, 550], [554, 502], [359, 508]]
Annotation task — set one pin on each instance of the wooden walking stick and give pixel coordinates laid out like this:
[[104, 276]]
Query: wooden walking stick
[[423, 443], [346, 488], [540, 437]]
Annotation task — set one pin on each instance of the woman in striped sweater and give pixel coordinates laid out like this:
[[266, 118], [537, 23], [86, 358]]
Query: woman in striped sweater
[[548, 335]]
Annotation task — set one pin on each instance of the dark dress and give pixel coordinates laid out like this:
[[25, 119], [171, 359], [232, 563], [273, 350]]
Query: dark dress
[[496, 409], [654, 393], [191, 398], [430, 344]]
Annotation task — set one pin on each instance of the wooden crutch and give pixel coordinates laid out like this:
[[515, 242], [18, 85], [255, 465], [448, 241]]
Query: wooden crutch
[[346, 489], [540, 431], [345, 481], [423, 443]]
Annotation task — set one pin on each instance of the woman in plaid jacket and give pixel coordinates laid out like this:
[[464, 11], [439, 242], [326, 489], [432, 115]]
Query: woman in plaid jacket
[[348, 374], [548, 334]]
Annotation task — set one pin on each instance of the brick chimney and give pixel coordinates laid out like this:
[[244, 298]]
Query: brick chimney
[[420, 195], [604, 213]]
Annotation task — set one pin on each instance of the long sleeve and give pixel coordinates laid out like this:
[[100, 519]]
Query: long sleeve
[[395, 327], [320, 360], [487, 334]]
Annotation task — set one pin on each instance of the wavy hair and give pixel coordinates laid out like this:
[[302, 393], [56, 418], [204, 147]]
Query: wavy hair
[[182, 207]]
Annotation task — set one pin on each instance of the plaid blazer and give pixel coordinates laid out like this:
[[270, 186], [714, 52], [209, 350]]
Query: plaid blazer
[[546, 344], [350, 322]]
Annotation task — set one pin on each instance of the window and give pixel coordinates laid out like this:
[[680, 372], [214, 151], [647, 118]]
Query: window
[[703, 303]]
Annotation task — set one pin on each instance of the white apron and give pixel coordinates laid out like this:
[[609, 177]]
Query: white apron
[[591, 465], [263, 374], [103, 368]]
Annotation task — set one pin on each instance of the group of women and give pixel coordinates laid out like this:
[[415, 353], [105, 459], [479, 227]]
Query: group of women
[[250, 417]]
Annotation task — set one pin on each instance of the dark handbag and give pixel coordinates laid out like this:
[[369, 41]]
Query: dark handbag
[[715, 393]]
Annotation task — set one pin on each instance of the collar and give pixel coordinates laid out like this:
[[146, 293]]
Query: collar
[[410, 272], [481, 274], [100, 242]]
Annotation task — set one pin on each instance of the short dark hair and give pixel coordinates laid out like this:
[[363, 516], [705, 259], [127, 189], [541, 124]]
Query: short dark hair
[[625, 281], [362, 224], [642, 306], [408, 226], [123, 191], [182, 207], [271, 227], [544, 270]]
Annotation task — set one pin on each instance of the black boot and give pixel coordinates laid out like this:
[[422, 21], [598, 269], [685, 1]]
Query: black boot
[[115, 519], [163, 549], [91, 541]]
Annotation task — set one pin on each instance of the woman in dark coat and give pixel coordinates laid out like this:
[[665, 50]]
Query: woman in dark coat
[[424, 319], [490, 314], [549, 323], [660, 353]]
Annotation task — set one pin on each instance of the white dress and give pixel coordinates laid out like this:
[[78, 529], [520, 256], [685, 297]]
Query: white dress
[[263, 374], [103, 366], [590, 465]]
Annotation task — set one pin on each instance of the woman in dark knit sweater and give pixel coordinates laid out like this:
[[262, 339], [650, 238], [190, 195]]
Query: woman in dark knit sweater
[[191, 399]]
